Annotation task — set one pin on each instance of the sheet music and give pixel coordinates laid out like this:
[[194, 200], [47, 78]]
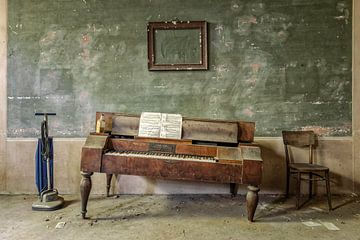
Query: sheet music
[[171, 125], [149, 124], [160, 125]]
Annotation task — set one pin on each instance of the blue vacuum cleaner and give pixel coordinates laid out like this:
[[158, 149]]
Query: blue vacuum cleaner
[[49, 199]]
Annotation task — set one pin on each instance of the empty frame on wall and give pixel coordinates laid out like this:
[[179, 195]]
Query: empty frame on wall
[[177, 45]]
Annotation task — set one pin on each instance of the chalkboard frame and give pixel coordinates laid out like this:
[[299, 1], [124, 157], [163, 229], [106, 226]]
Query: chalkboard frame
[[153, 27]]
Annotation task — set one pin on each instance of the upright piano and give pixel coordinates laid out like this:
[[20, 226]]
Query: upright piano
[[209, 151]]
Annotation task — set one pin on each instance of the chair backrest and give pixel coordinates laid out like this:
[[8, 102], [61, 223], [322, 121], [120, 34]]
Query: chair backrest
[[300, 139]]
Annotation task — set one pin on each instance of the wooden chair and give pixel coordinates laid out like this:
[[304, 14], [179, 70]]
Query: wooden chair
[[312, 172]]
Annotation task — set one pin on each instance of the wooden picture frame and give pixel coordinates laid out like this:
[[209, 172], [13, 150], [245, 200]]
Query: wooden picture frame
[[177, 45]]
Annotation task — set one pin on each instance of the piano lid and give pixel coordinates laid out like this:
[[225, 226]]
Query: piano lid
[[192, 129]]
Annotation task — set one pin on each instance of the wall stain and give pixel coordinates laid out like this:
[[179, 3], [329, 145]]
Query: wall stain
[[283, 64]]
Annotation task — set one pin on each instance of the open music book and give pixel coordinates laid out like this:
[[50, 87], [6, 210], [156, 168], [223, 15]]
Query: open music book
[[160, 125]]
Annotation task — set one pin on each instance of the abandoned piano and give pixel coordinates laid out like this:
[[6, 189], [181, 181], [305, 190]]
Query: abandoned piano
[[208, 151]]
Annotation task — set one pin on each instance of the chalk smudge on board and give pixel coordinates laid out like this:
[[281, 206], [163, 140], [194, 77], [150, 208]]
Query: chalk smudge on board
[[237, 6], [328, 131], [344, 10]]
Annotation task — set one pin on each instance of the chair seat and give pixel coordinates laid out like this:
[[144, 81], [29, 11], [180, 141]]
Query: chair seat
[[307, 167]]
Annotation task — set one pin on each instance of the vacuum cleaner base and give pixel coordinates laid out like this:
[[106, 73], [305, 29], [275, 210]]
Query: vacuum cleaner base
[[49, 201]]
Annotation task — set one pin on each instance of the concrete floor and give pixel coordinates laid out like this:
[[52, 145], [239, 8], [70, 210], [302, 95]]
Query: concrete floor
[[179, 217]]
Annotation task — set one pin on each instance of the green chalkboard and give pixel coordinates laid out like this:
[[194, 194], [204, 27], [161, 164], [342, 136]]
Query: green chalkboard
[[283, 64]]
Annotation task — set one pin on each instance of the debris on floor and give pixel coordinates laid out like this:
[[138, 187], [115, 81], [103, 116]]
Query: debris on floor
[[178, 217], [317, 209], [263, 206], [311, 224], [354, 195], [60, 225], [288, 219], [330, 226]]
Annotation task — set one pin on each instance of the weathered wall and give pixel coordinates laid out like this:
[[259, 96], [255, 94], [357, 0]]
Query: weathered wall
[[3, 92], [356, 95], [283, 64], [20, 173]]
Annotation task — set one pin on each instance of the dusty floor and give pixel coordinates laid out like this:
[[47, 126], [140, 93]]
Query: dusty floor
[[179, 217]]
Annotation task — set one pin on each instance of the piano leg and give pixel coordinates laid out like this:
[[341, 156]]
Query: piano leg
[[233, 189], [108, 184], [252, 199], [85, 187]]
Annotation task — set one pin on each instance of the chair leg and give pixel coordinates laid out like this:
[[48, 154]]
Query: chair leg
[[327, 178], [298, 190], [287, 183], [310, 186], [108, 184]]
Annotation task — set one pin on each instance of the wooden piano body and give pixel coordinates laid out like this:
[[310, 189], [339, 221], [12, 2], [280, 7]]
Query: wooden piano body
[[209, 151]]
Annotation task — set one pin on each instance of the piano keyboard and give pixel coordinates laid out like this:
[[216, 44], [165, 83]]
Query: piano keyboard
[[166, 156]]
